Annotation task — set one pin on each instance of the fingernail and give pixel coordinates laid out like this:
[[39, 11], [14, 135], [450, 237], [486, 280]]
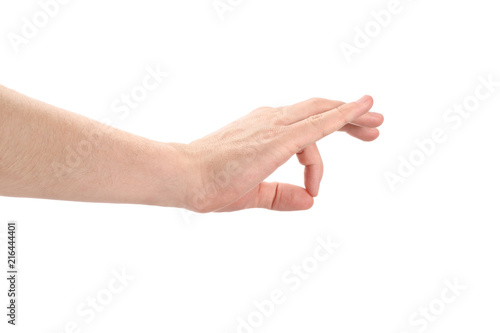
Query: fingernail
[[363, 99]]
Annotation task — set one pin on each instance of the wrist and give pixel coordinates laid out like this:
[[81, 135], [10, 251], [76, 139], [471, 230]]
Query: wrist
[[171, 177]]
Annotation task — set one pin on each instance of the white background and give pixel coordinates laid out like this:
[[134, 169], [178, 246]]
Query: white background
[[199, 273]]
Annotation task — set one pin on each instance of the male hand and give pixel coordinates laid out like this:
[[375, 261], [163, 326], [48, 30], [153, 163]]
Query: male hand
[[231, 164]]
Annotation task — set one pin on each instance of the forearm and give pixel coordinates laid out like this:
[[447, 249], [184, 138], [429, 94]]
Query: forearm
[[47, 152]]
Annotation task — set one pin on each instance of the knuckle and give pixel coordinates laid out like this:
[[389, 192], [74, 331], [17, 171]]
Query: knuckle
[[315, 120], [316, 101], [262, 111], [316, 123], [276, 132], [323, 104], [280, 117], [342, 112], [268, 135]]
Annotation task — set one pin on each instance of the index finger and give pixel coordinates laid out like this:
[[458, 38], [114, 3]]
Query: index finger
[[317, 126], [302, 110]]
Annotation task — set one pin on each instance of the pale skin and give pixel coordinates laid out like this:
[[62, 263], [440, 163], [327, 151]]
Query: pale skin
[[47, 152]]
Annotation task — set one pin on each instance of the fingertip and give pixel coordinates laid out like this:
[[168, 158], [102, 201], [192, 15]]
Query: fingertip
[[312, 181], [374, 134], [377, 119], [308, 203], [366, 99], [361, 106], [302, 200], [313, 192], [380, 117]]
